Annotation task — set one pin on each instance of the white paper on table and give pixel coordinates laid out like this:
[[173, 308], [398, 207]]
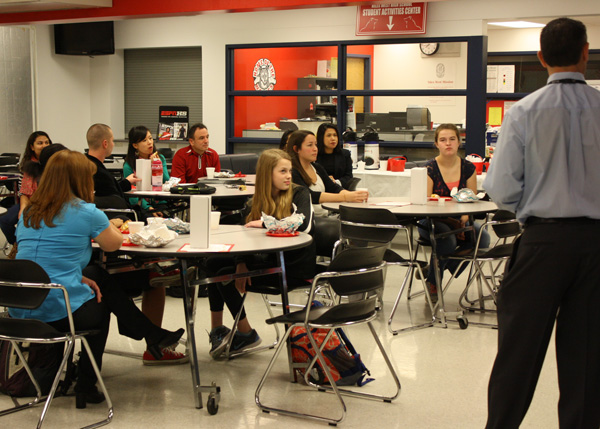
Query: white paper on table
[[200, 206], [143, 170], [212, 248], [418, 185]]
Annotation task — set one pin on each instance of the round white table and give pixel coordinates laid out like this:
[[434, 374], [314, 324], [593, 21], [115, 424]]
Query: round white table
[[239, 240], [402, 207]]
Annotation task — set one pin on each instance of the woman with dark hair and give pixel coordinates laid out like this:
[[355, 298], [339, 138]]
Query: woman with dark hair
[[284, 139], [141, 146], [29, 166], [36, 141], [336, 161], [302, 148], [56, 231]]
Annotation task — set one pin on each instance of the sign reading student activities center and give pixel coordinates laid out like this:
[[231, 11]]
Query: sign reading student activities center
[[392, 18]]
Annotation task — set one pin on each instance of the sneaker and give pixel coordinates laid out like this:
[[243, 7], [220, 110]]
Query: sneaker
[[170, 357], [425, 270], [245, 341], [433, 293], [218, 338], [170, 278]]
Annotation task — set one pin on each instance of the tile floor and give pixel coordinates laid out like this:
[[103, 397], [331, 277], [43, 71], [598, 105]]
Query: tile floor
[[444, 375]]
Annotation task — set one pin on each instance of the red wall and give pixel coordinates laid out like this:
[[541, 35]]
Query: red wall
[[289, 64]]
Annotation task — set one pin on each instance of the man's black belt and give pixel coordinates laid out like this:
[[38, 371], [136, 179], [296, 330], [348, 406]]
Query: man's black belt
[[534, 220]]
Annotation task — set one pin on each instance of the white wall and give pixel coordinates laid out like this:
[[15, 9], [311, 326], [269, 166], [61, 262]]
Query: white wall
[[402, 66], [74, 92]]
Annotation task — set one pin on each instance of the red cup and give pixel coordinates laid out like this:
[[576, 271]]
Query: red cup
[[396, 164]]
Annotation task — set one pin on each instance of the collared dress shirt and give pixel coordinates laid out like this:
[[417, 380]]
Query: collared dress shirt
[[547, 159], [188, 166]]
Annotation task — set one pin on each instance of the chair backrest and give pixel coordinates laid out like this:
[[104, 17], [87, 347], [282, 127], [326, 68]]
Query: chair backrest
[[9, 160], [352, 262], [114, 205], [14, 271], [353, 183], [326, 234], [167, 152], [239, 162], [509, 227], [367, 225]]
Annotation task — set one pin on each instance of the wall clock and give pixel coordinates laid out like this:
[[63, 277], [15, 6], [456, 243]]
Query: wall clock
[[429, 48]]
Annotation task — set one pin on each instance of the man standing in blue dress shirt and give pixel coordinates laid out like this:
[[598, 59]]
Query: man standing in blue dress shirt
[[547, 170]]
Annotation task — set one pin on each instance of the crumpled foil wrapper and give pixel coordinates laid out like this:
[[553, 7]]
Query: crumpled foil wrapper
[[287, 225], [173, 181], [153, 235], [466, 195], [473, 158], [177, 225]]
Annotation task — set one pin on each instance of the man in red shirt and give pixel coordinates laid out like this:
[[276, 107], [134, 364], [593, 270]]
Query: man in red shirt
[[189, 163]]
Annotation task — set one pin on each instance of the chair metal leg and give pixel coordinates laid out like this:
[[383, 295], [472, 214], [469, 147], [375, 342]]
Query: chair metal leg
[[409, 275], [347, 392], [102, 387], [38, 399], [62, 366], [48, 399], [319, 356], [232, 354]]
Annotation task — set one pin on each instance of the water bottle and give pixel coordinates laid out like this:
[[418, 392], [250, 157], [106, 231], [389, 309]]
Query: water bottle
[[157, 174], [371, 155]]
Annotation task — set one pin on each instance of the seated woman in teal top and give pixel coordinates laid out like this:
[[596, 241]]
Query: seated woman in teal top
[[56, 231], [141, 146]]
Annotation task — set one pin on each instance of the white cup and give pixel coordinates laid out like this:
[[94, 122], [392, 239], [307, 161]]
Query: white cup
[[441, 201], [135, 227], [383, 165], [360, 165], [215, 218], [210, 172], [363, 190]]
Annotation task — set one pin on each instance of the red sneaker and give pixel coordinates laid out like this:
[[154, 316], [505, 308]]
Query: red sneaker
[[170, 357]]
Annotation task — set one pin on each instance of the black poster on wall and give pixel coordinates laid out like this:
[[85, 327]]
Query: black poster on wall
[[173, 122]]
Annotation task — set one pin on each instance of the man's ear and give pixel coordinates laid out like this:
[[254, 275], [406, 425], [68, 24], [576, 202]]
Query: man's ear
[[541, 58]]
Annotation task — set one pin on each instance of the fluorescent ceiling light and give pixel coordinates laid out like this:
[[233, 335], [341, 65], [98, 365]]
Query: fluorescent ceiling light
[[517, 24]]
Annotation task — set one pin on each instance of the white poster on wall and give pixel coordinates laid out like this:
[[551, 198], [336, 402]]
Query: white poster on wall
[[506, 78], [442, 76]]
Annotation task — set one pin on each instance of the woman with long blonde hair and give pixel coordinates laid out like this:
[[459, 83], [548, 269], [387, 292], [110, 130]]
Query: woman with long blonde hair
[[55, 231], [275, 195]]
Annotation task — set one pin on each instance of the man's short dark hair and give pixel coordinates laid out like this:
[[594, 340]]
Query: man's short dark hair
[[562, 41], [192, 130]]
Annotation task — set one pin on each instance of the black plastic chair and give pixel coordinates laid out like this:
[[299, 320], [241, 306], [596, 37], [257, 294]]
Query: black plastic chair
[[355, 271], [24, 284], [365, 226], [114, 205], [505, 227]]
